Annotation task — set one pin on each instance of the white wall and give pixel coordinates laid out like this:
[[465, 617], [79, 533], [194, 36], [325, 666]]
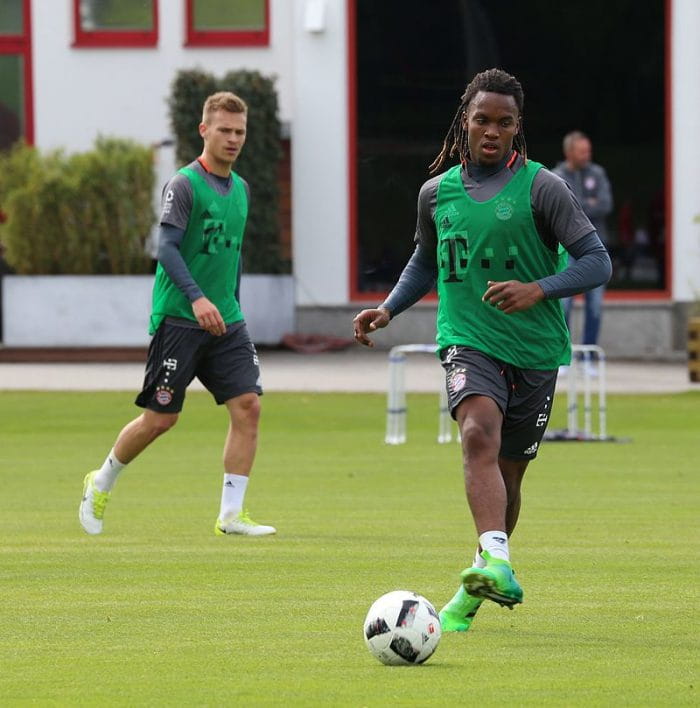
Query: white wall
[[113, 310], [320, 157], [82, 92], [686, 154]]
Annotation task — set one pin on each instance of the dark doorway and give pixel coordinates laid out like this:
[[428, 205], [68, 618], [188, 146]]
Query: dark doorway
[[590, 65]]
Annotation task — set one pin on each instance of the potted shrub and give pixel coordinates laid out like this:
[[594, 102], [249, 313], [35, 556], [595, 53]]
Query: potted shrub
[[74, 235]]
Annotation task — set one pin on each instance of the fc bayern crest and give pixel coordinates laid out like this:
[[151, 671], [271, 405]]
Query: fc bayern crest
[[458, 380], [164, 395], [504, 209]]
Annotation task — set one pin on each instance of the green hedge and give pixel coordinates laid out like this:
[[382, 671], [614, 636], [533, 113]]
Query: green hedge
[[258, 163], [88, 213]]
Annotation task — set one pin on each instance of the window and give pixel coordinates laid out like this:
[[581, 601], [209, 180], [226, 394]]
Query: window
[[11, 18], [406, 78], [12, 102], [16, 117], [115, 23], [219, 23]]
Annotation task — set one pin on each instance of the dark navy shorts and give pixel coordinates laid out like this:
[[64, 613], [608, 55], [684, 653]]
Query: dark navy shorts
[[227, 365], [525, 396]]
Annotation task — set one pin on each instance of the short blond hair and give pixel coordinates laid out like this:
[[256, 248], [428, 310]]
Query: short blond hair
[[223, 101]]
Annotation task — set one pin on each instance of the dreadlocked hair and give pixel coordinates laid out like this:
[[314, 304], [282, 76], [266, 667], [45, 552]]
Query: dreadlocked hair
[[492, 81]]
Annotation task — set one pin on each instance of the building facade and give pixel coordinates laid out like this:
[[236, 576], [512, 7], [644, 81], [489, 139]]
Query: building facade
[[70, 75]]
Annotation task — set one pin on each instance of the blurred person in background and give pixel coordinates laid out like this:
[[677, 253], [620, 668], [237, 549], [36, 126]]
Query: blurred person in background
[[591, 187]]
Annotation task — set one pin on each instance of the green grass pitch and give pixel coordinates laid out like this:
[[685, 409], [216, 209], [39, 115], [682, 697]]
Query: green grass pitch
[[159, 611]]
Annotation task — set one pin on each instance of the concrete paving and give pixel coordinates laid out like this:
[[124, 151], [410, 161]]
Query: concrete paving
[[353, 369]]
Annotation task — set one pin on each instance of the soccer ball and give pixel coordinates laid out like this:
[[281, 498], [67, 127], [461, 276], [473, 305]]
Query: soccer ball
[[402, 628]]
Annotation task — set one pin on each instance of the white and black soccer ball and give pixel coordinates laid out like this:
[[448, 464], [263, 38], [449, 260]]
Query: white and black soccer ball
[[402, 628]]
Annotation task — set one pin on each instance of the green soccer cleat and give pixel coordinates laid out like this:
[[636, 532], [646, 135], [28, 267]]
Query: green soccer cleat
[[242, 525], [495, 582], [92, 505], [458, 614]]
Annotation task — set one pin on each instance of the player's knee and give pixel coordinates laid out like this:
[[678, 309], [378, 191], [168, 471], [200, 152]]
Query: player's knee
[[479, 439], [159, 423], [246, 410]]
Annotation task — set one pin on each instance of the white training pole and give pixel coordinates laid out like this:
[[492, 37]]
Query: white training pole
[[444, 419], [584, 367], [572, 399], [602, 401], [397, 407], [396, 400], [586, 395]]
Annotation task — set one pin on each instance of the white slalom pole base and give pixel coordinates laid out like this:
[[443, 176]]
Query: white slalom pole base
[[396, 406], [585, 370]]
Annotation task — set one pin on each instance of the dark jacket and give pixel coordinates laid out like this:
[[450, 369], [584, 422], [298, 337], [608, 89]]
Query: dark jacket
[[592, 189]]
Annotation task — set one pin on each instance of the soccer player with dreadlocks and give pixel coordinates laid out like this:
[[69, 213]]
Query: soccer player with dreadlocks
[[493, 232]]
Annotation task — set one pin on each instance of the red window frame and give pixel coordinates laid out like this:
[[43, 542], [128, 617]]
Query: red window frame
[[355, 295], [225, 38], [119, 38], [21, 44]]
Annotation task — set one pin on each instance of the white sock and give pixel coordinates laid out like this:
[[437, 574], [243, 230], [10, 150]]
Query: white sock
[[496, 543], [108, 473], [479, 562], [232, 494]]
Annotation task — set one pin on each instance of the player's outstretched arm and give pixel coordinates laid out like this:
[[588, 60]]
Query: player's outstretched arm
[[369, 321]]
